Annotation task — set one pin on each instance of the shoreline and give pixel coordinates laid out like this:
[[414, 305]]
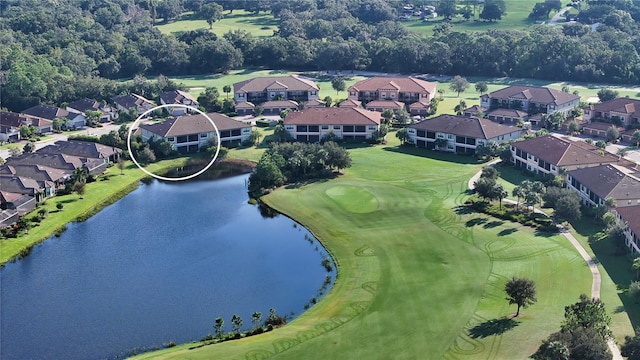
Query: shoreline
[[23, 245]]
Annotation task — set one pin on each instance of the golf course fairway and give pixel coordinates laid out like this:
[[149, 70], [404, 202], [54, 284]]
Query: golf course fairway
[[419, 276]]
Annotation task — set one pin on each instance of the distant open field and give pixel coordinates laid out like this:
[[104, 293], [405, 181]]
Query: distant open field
[[259, 25], [515, 19]]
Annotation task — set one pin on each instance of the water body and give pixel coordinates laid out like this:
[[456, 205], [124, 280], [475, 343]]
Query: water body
[[159, 265]]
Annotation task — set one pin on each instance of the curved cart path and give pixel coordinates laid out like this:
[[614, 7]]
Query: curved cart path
[[593, 267]]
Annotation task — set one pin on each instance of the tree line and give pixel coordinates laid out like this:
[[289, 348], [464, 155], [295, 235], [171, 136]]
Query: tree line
[[59, 52], [296, 161]]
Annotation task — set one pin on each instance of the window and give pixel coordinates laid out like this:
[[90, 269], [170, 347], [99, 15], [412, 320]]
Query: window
[[301, 128], [393, 95], [336, 127], [353, 93], [373, 128], [449, 136], [360, 128], [383, 95], [203, 135], [440, 136], [193, 137], [347, 128], [314, 128], [241, 95], [325, 127], [313, 92], [182, 139], [225, 134], [289, 127], [421, 133], [235, 132], [171, 139]]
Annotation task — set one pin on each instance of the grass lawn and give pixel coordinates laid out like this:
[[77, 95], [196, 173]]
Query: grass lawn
[[103, 190], [260, 25], [417, 273], [515, 19]]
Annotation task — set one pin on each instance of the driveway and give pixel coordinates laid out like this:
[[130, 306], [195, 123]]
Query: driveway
[[559, 15]]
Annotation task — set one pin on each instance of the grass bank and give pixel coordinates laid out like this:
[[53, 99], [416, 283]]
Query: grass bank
[[108, 188], [261, 25], [417, 273]]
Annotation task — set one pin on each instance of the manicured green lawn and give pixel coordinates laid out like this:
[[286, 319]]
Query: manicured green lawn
[[417, 273], [104, 189], [515, 19], [261, 25]]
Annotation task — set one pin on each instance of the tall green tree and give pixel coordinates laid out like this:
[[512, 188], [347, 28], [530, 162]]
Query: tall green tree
[[481, 87], [520, 291], [587, 313], [631, 347], [338, 84], [211, 12], [459, 84], [493, 10], [607, 94]]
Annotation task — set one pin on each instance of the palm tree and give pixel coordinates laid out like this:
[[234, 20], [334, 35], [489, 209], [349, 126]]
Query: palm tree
[[227, 90], [459, 109], [636, 266]]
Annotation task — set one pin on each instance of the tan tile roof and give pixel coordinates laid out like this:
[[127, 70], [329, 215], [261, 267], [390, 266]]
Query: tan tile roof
[[508, 112], [245, 105], [193, 124], [631, 215], [279, 104], [420, 105], [562, 152], [609, 181], [260, 84], [350, 103], [537, 94], [600, 126], [385, 104], [465, 126], [620, 105], [314, 103], [333, 116], [403, 84]]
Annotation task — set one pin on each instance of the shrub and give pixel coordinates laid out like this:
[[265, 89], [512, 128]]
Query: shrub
[[263, 123]]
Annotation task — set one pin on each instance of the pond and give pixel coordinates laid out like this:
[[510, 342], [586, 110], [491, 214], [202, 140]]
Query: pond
[[158, 266]]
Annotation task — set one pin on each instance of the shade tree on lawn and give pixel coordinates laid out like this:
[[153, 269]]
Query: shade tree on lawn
[[521, 292]]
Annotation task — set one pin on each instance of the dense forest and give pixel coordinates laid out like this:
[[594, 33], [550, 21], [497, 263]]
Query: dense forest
[[60, 50]]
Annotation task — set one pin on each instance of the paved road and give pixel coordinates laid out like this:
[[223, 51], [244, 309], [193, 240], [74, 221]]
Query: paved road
[[558, 16], [593, 267]]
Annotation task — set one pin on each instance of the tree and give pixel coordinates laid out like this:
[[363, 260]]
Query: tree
[[568, 207], [208, 99], [574, 128], [612, 133], [146, 156], [520, 291], [257, 111], [211, 12], [634, 291], [328, 101], [402, 116], [554, 120], [29, 147], [493, 10], [587, 313], [636, 266], [236, 324], [636, 138], [402, 135], [338, 84], [387, 115], [79, 187], [482, 87], [15, 151], [169, 9], [458, 84], [459, 109], [226, 89], [218, 327], [484, 187], [447, 8], [121, 165], [607, 94], [490, 172], [256, 319], [631, 347], [498, 192]]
